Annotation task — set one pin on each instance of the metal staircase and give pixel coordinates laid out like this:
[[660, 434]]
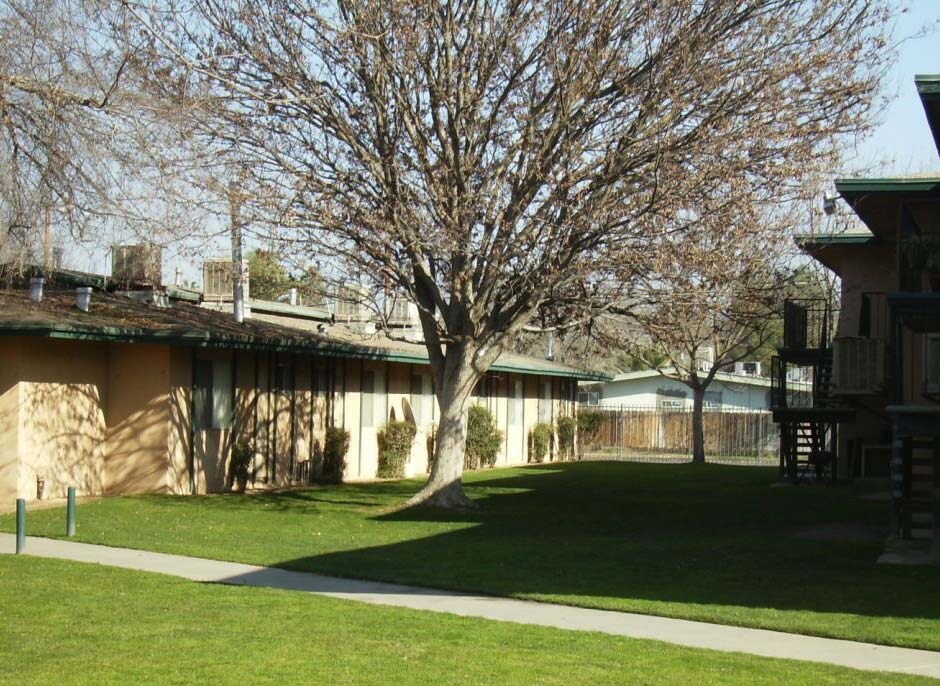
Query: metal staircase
[[808, 420]]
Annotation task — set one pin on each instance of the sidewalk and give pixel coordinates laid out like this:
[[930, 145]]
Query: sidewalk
[[775, 644]]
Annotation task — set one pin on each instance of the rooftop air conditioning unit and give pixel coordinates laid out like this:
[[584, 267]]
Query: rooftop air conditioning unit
[[352, 303], [135, 267], [747, 368], [218, 279], [402, 312], [705, 358]]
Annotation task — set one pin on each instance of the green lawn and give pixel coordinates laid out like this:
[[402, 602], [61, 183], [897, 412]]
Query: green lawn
[[715, 543], [65, 622]]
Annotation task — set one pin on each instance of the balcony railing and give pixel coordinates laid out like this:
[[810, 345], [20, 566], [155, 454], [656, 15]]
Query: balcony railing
[[790, 386], [807, 324], [858, 366]]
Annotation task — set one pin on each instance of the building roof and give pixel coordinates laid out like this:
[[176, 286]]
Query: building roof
[[878, 201], [723, 377], [670, 373], [313, 312], [928, 87], [120, 319], [830, 250]]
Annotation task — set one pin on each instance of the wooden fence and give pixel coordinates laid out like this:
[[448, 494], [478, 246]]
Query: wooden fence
[[745, 434]]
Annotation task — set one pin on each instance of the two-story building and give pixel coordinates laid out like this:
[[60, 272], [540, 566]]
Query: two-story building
[[876, 367]]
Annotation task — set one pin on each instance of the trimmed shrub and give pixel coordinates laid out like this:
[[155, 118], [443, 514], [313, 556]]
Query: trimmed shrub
[[395, 440], [239, 465], [540, 440], [335, 448], [566, 428], [589, 423], [483, 438]]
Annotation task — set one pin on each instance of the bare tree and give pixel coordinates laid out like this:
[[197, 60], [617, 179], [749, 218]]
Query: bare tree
[[89, 152], [712, 299], [496, 160]]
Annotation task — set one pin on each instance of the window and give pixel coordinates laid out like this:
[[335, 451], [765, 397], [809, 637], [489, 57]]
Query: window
[[932, 364], [515, 402], [545, 402], [590, 398], [368, 398], [712, 400], [429, 397], [212, 394], [421, 398], [671, 404]]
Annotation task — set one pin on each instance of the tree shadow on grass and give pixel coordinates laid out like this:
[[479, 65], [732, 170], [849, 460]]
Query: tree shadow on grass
[[602, 534]]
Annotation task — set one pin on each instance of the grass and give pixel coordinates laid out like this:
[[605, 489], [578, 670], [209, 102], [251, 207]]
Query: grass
[[713, 543], [85, 624]]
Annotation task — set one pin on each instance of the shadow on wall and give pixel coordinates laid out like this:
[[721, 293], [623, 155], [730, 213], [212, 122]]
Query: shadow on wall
[[678, 537], [63, 437]]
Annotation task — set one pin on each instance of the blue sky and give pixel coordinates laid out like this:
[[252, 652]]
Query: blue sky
[[902, 144]]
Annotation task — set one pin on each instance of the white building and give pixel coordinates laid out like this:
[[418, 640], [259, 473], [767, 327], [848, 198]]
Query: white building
[[650, 389]]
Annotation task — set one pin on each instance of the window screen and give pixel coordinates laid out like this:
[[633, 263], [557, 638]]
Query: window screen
[[515, 403], [212, 394], [368, 398], [417, 399]]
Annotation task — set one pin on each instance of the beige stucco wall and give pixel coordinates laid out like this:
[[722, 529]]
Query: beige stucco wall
[[62, 429], [9, 420], [138, 419], [872, 270], [116, 418], [178, 432]]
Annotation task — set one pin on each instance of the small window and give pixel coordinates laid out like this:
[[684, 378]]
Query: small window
[[932, 364], [368, 398], [212, 395], [712, 400], [515, 403], [671, 404], [428, 391], [545, 402], [590, 398], [417, 399]]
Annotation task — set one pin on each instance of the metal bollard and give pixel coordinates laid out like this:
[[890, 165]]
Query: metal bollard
[[20, 525], [70, 513]]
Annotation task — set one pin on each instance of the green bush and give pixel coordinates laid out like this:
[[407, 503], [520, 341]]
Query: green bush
[[395, 440], [589, 423], [239, 466], [540, 440], [335, 448], [483, 439], [566, 428]]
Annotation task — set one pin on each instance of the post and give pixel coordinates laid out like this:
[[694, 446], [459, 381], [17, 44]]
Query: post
[[20, 525], [70, 513]]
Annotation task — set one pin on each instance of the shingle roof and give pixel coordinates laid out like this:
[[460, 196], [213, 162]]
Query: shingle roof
[[116, 318]]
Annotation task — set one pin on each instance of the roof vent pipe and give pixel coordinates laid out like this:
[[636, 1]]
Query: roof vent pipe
[[83, 298], [292, 296], [35, 289], [550, 354]]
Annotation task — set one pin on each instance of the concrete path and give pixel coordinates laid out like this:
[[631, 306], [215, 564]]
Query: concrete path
[[678, 631]]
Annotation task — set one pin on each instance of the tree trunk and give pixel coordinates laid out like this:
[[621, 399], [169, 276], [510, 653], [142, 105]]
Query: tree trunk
[[698, 425], [443, 488]]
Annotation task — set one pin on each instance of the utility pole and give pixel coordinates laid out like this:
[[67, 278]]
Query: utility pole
[[238, 267]]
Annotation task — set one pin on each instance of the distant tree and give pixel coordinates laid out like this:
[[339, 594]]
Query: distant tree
[[269, 279]]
